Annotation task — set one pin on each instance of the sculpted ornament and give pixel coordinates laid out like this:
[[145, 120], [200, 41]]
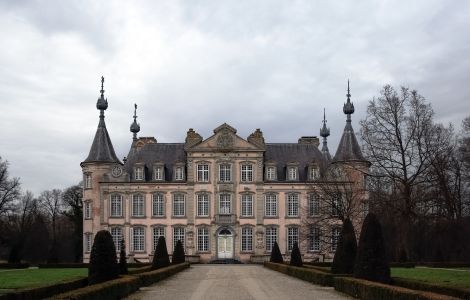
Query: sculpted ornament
[[225, 140]]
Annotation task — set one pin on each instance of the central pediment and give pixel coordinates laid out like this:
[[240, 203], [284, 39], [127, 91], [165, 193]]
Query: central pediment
[[224, 139]]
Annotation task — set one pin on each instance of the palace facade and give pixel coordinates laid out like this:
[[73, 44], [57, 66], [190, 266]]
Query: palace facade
[[224, 197]]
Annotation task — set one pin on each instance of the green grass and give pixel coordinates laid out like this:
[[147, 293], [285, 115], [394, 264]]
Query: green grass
[[452, 278], [17, 279]]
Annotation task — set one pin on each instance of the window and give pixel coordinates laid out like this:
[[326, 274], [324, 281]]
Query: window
[[88, 241], [225, 173], [225, 204], [203, 205], [314, 173], [203, 173], [247, 239], [314, 241], [158, 205], [247, 205], [139, 173], [336, 205], [292, 237], [292, 173], [179, 173], [88, 181], [271, 173], [271, 237], [157, 232], [178, 235], [365, 209], [178, 205], [203, 239], [293, 205], [314, 204], [247, 173], [116, 233], [138, 239], [158, 173], [335, 238], [87, 210], [116, 205], [270, 205], [138, 205]]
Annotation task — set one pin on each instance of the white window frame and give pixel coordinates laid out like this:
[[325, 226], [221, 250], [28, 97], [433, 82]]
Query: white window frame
[[270, 205], [314, 204], [246, 202], [203, 173], [314, 173], [271, 173], [225, 173], [225, 199], [87, 210], [179, 173], [88, 241], [88, 181], [335, 234], [179, 205], [158, 205], [117, 235], [158, 173], [292, 237], [139, 173], [138, 238], [179, 233], [315, 240], [203, 205], [336, 204], [138, 205], [115, 206], [246, 173], [247, 239], [157, 232], [292, 173], [293, 205], [203, 239], [271, 236]]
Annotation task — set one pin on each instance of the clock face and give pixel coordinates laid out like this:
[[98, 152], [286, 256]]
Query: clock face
[[117, 171]]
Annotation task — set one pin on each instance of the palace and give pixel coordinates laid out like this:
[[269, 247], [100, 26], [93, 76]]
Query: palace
[[225, 197]]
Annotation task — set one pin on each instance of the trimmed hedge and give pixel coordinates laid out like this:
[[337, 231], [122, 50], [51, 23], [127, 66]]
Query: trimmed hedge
[[434, 288], [307, 274], [320, 264], [45, 291], [121, 287], [14, 265], [368, 290], [321, 269], [140, 270], [84, 265]]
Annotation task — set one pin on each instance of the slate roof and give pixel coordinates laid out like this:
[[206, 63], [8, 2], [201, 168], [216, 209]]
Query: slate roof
[[348, 148], [102, 149]]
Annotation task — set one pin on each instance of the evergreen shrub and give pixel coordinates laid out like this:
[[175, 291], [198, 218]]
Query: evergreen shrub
[[178, 253], [276, 256], [343, 262], [161, 258], [103, 260], [123, 259], [295, 256]]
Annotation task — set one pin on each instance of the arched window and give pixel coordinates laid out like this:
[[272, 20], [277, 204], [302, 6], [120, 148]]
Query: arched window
[[270, 205], [158, 205], [138, 205], [293, 205]]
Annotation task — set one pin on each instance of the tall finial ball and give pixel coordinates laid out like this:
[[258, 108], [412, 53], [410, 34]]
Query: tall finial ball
[[102, 103]]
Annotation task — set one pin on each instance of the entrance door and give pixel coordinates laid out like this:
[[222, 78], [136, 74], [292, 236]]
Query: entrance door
[[225, 244]]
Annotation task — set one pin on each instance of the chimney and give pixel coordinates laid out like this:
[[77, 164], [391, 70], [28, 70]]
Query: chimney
[[309, 140]]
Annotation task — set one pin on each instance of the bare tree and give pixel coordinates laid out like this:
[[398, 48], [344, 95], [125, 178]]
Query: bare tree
[[9, 189], [51, 205], [73, 205]]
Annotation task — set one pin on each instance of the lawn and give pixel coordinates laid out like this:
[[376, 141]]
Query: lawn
[[453, 278], [16, 279]]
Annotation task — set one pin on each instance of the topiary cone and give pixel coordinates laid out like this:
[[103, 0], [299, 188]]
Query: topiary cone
[[103, 260], [343, 262]]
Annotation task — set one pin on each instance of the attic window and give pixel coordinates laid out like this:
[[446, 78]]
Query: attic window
[[292, 173], [139, 173], [179, 173], [314, 172], [271, 173], [158, 172]]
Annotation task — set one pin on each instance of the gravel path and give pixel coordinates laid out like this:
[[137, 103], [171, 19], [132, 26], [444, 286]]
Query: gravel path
[[234, 282]]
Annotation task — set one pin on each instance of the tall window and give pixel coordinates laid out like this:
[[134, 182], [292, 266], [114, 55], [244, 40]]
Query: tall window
[[225, 204], [116, 233], [292, 173], [138, 239], [314, 204], [179, 205], [247, 205], [203, 239], [293, 205], [138, 205], [179, 173], [158, 173], [178, 235], [314, 173], [88, 181], [335, 232], [314, 241], [270, 205], [202, 205], [87, 210], [271, 173], [116, 205], [336, 205], [203, 173], [139, 173], [157, 232], [88, 241], [271, 237], [247, 239], [292, 237], [247, 173], [225, 172], [158, 205]]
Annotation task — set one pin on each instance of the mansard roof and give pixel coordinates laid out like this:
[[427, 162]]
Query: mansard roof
[[102, 149], [348, 148]]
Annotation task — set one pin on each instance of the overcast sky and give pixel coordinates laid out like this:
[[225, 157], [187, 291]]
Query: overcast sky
[[272, 65]]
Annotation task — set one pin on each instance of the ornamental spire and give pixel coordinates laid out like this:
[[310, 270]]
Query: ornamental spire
[[102, 104], [348, 107], [135, 127], [325, 132]]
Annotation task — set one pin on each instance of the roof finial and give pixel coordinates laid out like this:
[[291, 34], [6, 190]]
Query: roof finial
[[325, 132], [135, 127], [102, 104], [102, 86], [348, 107]]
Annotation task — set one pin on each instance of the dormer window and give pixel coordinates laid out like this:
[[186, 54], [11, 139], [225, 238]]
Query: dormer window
[[139, 173], [158, 172], [292, 173], [88, 181], [314, 172], [271, 173], [179, 173]]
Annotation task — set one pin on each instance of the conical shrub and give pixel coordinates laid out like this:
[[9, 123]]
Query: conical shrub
[[295, 256], [161, 258], [276, 256], [103, 260], [343, 262], [178, 253], [371, 262], [123, 259]]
